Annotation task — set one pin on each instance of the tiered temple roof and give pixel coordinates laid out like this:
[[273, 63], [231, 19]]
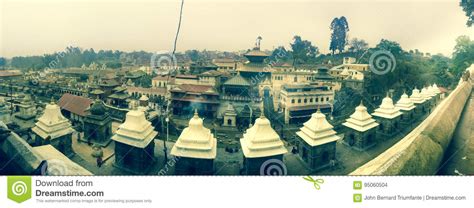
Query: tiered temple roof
[[196, 141], [425, 94], [317, 130], [230, 111], [360, 120], [432, 91], [416, 97], [136, 131], [405, 103], [387, 109], [436, 89], [261, 140], [52, 123]]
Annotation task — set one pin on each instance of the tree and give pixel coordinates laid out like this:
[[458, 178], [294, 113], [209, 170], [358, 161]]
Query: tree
[[358, 45], [339, 28], [468, 8], [279, 55], [391, 46], [303, 50], [3, 62], [193, 55], [463, 55]]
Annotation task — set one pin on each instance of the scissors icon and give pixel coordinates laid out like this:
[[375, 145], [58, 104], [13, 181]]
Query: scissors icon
[[316, 182]]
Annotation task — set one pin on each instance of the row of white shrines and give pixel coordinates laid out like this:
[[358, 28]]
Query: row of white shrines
[[196, 147]]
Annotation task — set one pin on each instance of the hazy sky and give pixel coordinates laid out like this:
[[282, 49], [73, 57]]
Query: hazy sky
[[35, 27]]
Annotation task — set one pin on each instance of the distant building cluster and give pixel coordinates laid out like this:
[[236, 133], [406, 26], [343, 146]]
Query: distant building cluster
[[210, 110]]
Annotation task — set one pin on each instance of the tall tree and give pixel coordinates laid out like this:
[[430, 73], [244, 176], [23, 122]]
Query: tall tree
[[468, 8], [303, 50], [339, 28], [358, 45]]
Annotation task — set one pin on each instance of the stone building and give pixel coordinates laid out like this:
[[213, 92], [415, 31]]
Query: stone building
[[27, 109], [119, 97], [407, 107], [261, 144], [4, 111], [360, 129], [98, 125], [433, 92], [196, 148], [317, 142], [134, 146], [299, 101], [419, 102], [230, 116], [186, 97], [53, 128], [388, 118]]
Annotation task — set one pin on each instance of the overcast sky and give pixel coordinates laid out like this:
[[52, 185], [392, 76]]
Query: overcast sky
[[34, 27]]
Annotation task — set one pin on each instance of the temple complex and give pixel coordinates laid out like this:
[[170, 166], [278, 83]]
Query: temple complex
[[388, 117], [134, 146], [360, 132], [53, 128], [317, 142], [255, 69], [259, 144], [196, 148]]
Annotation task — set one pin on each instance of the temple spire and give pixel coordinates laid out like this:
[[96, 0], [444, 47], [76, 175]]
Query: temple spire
[[196, 112]]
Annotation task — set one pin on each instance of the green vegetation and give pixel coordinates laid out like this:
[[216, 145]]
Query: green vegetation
[[339, 28], [468, 8]]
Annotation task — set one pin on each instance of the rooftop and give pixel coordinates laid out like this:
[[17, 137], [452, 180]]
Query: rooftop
[[387, 109], [317, 130], [75, 104], [261, 140], [52, 123], [136, 131], [196, 141], [360, 120]]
